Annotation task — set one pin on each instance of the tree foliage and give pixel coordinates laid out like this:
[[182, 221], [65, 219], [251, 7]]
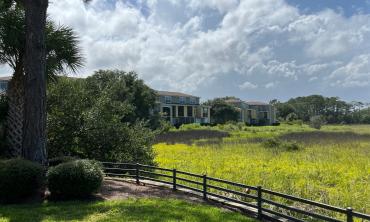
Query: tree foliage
[[104, 117], [316, 122], [332, 109], [62, 51], [222, 112]]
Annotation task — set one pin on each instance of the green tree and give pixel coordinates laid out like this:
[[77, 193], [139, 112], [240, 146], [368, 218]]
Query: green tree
[[332, 109], [125, 88], [316, 122], [104, 117], [222, 112], [67, 101]]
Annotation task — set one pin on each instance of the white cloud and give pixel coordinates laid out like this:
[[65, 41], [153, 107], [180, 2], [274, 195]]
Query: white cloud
[[175, 45], [270, 85], [248, 85], [353, 74]]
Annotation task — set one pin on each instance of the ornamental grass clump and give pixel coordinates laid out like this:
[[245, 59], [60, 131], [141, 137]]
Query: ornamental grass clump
[[282, 145], [19, 179], [75, 179]]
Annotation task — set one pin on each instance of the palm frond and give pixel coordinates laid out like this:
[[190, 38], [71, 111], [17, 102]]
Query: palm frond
[[12, 35], [63, 53]]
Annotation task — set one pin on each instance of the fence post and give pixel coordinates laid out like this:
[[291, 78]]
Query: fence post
[[174, 179], [137, 173], [205, 187], [259, 202], [349, 214]]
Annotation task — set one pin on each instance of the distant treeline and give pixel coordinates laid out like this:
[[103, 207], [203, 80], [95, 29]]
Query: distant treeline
[[332, 109]]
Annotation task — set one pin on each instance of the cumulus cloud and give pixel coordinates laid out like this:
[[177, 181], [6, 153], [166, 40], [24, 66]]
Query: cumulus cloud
[[248, 85], [192, 45], [353, 74]]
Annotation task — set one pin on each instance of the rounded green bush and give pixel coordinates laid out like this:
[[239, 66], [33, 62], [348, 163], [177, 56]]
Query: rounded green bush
[[79, 178], [61, 159], [19, 179]]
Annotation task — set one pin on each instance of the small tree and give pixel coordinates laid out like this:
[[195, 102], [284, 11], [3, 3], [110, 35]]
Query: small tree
[[104, 117], [291, 117], [222, 112], [317, 122]]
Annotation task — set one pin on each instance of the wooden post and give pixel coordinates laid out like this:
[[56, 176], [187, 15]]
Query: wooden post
[[259, 202], [349, 214], [174, 179], [137, 173], [205, 187]]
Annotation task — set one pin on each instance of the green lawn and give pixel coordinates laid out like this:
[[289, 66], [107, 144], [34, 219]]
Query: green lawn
[[120, 210], [331, 167]]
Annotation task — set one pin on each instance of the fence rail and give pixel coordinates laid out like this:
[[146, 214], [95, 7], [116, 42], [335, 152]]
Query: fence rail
[[205, 186]]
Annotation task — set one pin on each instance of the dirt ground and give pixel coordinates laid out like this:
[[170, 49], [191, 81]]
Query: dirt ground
[[113, 189], [117, 189]]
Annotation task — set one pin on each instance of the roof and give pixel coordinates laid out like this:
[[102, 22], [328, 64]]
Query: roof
[[6, 78], [256, 103], [167, 93], [233, 101]]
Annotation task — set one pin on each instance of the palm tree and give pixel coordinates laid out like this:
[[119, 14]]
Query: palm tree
[[61, 53]]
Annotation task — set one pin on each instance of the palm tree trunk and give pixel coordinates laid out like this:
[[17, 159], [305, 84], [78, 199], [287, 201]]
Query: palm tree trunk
[[15, 118], [34, 129]]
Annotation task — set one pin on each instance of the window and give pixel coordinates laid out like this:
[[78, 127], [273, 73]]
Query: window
[[190, 111], [205, 112], [167, 99], [249, 114], [187, 100], [166, 111], [193, 100], [3, 86], [265, 115], [182, 100], [180, 111]]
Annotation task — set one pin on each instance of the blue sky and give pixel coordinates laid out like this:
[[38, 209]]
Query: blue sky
[[347, 7], [252, 49]]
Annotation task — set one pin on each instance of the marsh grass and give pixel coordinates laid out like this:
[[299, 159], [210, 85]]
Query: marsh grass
[[189, 136], [325, 137], [332, 165]]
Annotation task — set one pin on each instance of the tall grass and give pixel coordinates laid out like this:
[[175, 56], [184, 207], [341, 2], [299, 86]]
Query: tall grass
[[336, 173]]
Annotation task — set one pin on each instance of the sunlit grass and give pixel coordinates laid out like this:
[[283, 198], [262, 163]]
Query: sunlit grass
[[333, 173], [151, 210]]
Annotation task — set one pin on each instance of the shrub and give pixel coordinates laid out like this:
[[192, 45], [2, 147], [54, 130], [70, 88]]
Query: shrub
[[19, 179], [316, 122], [290, 146], [271, 143], [191, 126], [281, 145], [79, 178], [291, 117], [59, 160]]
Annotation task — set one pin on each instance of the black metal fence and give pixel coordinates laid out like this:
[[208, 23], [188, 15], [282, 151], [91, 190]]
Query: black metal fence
[[264, 201]]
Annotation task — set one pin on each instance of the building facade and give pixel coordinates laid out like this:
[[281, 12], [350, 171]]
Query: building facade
[[180, 108], [253, 112], [4, 81]]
